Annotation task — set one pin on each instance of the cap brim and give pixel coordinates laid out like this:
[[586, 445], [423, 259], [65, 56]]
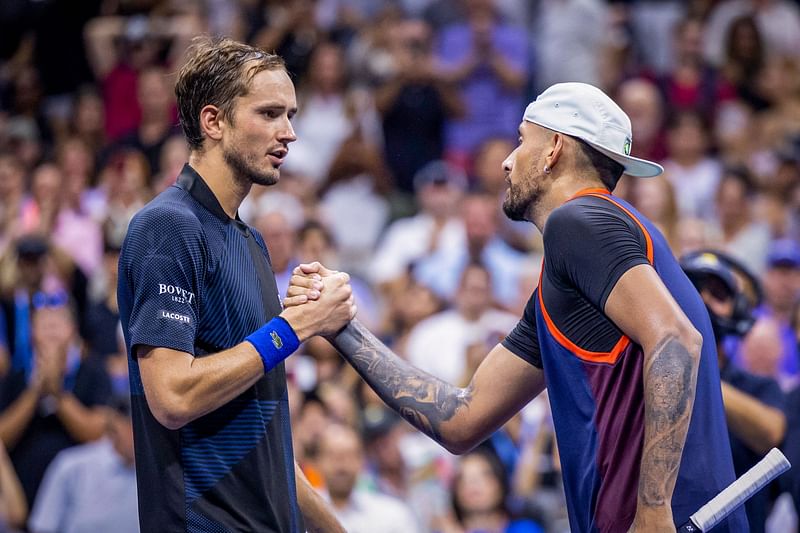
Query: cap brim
[[638, 168]]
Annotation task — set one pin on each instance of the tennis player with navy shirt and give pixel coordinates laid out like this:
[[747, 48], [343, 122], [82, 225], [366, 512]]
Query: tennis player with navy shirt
[[615, 331], [203, 322]]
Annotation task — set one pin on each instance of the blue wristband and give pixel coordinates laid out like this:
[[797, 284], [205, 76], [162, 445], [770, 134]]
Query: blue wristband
[[274, 342]]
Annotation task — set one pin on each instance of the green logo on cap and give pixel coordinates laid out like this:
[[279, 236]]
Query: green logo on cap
[[627, 147]]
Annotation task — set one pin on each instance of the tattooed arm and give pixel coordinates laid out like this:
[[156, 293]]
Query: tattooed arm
[[457, 418], [643, 308]]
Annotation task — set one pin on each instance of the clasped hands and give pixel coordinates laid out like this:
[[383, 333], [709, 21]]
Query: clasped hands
[[323, 296]]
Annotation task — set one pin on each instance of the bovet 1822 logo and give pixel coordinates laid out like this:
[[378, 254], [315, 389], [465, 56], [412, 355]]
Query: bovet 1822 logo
[[174, 316], [179, 295]]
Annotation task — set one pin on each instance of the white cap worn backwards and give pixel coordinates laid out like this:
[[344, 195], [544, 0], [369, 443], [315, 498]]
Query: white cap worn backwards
[[584, 111]]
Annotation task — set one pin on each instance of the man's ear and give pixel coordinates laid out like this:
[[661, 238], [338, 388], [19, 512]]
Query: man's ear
[[556, 150], [211, 122]]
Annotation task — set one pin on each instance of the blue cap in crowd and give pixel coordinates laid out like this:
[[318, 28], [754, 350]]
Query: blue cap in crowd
[[784, 253]]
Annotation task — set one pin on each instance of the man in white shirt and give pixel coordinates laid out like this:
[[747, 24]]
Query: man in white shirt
[[341, 462], [694, 175], [437, 226], [92, 487], [441, 270], [472, 322]]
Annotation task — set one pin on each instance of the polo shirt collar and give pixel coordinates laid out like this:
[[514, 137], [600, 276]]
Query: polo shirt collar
[[193, 183]]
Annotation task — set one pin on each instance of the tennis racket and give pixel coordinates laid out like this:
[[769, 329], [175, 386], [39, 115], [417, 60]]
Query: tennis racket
[[738, 492]]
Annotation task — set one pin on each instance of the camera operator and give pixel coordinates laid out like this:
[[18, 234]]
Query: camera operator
[[754, 405]]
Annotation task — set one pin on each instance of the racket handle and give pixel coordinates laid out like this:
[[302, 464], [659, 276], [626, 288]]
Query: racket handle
[[689, 527]]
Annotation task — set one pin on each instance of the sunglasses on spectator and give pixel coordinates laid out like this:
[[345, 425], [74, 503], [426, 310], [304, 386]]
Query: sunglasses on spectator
[[43, 300]]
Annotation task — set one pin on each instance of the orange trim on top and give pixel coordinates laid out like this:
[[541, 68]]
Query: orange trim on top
[[590, 190], [592, 357], [646, 233]]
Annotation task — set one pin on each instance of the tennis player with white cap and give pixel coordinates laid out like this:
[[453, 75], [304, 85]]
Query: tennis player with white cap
[[615, 331]]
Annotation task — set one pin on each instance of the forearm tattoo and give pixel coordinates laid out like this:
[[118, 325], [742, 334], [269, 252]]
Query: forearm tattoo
[[669, 381], [423, 400]]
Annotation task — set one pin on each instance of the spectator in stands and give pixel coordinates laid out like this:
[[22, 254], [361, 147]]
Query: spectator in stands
[[291, 30], [28, 122], [341, 461], [536, 483], [31, 266], [76, 160], [158, 116], [487, 168], [472, 321], [480, 489], [101, 323], [754, 405], [281, 243], [119, 48], [92, 487], [174, 154], [689, 168], [12, 191], [354, 203], [56, 402], [790, 481], [47, 213], [488, 175], [777, 20], [330, 113], [88, 119], [442, 269], [401, 463], [734, 130], [40, 211], [13, 506], [692, 83], [124, 184], [781, 295], [655, 199], [308, 423], [742, 236], [488, 60], [409, 303], [316, 243], [414, 101], [745, 59], [438, 187], [761, 350], [570, 36], [642, 101]]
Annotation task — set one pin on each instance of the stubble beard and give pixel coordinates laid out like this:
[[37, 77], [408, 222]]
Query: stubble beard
[[246, 171], [519, 202]]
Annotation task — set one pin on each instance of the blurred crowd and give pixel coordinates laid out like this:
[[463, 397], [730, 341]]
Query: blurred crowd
[[407, 109]]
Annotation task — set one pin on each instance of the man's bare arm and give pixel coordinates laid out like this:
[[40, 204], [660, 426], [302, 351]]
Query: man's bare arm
[[317, 513], [180, 388], [459, 418], [642, 307], [759, 425]]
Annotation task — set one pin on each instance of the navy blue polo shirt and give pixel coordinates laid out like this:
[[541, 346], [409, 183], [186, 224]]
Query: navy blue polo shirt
[[195, 280]]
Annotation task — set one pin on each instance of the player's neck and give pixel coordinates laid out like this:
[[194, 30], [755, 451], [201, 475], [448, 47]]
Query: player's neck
[[220, 179], [563, 189]]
